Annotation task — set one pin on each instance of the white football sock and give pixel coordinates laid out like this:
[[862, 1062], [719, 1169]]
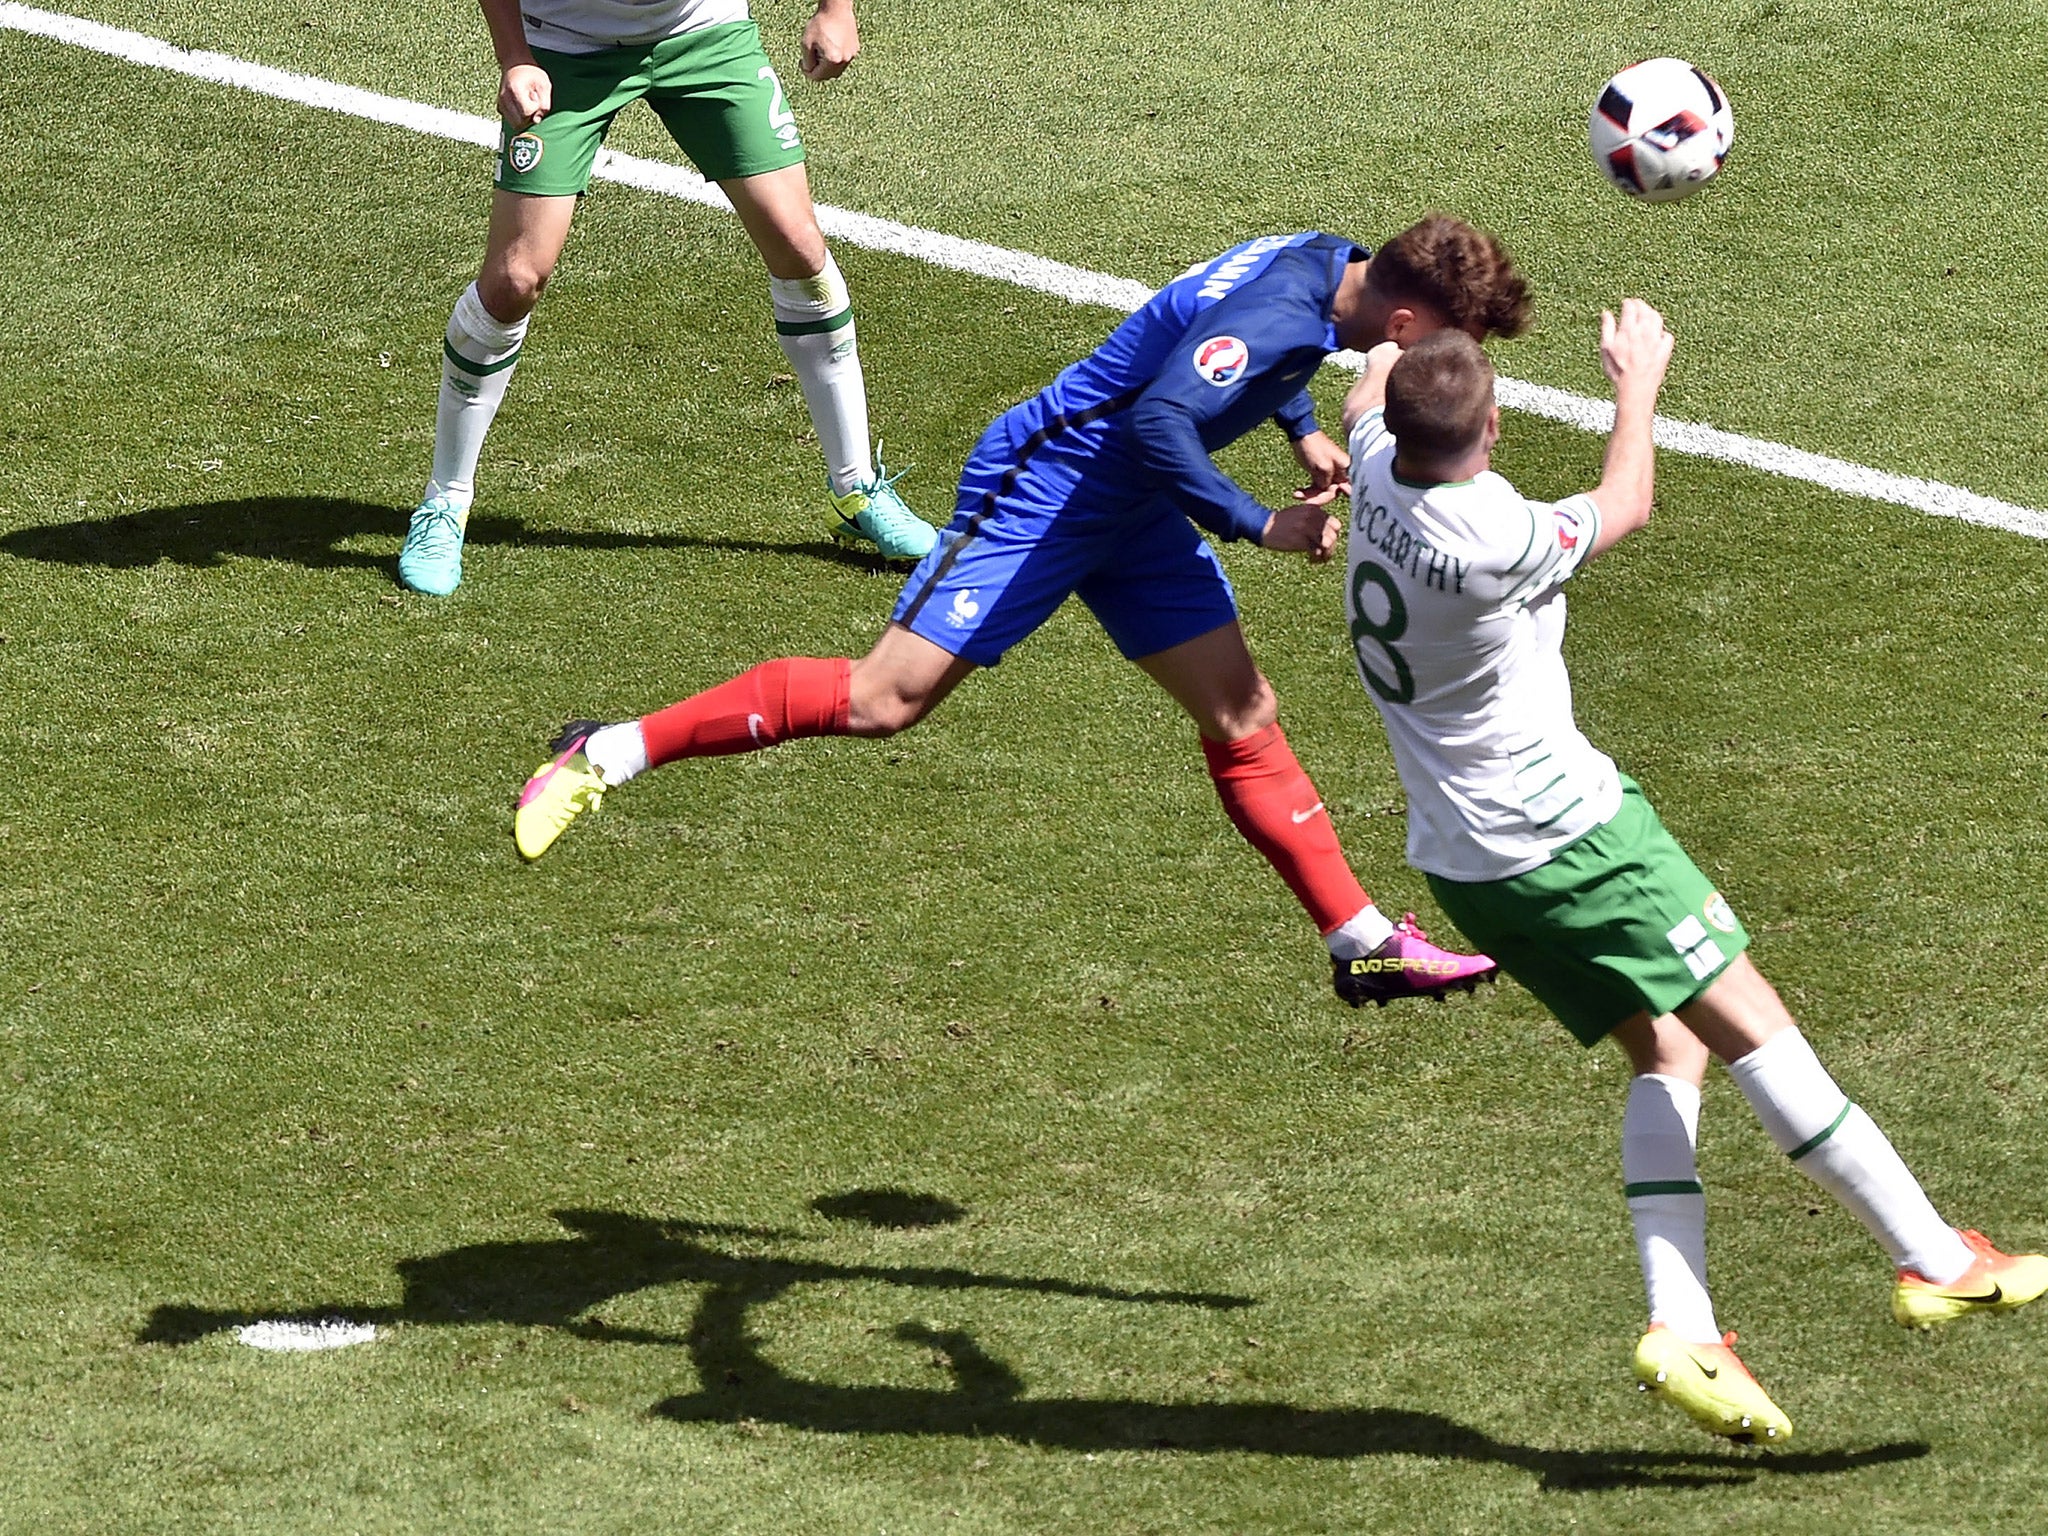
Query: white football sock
[[1361, 935], [618, 752], [1666, 1202], [814, 323], [477, 361], [1840, 1148]]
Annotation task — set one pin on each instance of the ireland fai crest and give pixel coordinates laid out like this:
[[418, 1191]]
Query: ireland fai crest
[[1719, 913], [524, 152]]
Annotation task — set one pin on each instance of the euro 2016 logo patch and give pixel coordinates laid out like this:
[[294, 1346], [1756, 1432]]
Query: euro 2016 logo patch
[[524, 152], [1222, 360], [1719, 913]]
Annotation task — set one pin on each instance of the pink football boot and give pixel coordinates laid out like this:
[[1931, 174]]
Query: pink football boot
[[1408, 965]]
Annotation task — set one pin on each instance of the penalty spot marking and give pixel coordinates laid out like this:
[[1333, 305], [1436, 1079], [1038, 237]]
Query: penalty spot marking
[[297, 1338], [1019, 268]]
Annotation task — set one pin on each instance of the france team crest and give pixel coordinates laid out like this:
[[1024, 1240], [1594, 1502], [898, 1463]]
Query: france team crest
[[1222, 359]]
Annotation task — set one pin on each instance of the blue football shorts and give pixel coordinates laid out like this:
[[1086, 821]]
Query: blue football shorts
[[1022, 539]]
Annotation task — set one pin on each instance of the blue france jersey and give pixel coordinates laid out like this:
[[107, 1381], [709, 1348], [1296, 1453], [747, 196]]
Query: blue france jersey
[[1223, 347]]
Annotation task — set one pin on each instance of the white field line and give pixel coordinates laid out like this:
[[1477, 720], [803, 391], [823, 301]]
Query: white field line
[[299, 1337], [1018, 268]]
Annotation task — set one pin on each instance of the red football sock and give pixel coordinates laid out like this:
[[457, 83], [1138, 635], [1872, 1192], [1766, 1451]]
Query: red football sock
[[775, 702], [1274, 805]]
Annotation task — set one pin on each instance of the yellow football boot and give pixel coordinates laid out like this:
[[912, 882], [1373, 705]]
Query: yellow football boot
[[560, 790], [1713, 1387]]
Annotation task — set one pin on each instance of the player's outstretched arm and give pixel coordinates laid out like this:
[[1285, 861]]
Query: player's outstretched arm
[[1369, 394], [525, 93], [1635, 349], [831, 40]]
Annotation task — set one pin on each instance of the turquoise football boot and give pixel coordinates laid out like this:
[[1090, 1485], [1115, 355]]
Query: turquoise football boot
[[431, 560], [873, 514]]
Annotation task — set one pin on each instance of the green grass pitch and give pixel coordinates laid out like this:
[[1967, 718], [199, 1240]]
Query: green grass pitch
[[286, 1029]]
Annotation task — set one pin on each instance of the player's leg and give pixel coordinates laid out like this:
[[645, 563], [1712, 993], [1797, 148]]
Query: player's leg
[[478, 355], [1667, 1204], [1943, 1273], [722, 102], [1264, 790], [542, 169], [1665, 930], [815, 326], [1682, 1356], [997, 579], [890, 689], [1560, 929]]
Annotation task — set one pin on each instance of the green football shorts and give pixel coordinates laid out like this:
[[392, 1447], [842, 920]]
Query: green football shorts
[[714, 89], [1618, 923]]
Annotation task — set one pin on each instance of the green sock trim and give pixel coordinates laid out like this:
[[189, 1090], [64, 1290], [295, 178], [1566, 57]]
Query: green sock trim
[[838, 322], [480, 370], [1664, 1187], [1833, 1125]]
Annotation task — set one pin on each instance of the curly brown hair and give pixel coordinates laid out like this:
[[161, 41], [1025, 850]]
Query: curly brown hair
[[1460, 271]]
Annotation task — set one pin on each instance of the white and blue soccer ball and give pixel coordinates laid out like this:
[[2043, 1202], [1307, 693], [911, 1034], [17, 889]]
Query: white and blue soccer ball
[[1660, 130]]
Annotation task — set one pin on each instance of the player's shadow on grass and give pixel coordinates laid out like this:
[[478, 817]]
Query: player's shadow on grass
[[556, 1283], [317, 532]]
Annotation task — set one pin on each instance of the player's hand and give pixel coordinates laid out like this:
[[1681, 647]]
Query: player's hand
[[1635, 348], [1306, 528], [1328, 466], [526, 96], [830, 41], [1369, 394]]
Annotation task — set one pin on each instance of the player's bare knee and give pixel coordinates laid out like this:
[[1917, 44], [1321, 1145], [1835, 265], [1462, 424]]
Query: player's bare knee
[[882, 711], [1264, 707], [511, 289], [1662, 1045], [1246, 715], [807, 250], [882, 717], [794, 255], [1738, 1012], [1680, 1054]]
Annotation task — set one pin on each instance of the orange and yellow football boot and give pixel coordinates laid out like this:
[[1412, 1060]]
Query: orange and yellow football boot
[[1996, 1282]]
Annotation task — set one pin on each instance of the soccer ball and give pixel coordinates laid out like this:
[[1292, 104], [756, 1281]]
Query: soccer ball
[[1661, 129]]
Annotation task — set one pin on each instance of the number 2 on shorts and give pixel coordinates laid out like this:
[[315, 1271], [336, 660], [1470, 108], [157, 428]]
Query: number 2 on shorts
[[780, 118]]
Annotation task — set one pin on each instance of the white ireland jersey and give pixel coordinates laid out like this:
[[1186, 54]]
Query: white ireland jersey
[[1458, 624], [586, 26]]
